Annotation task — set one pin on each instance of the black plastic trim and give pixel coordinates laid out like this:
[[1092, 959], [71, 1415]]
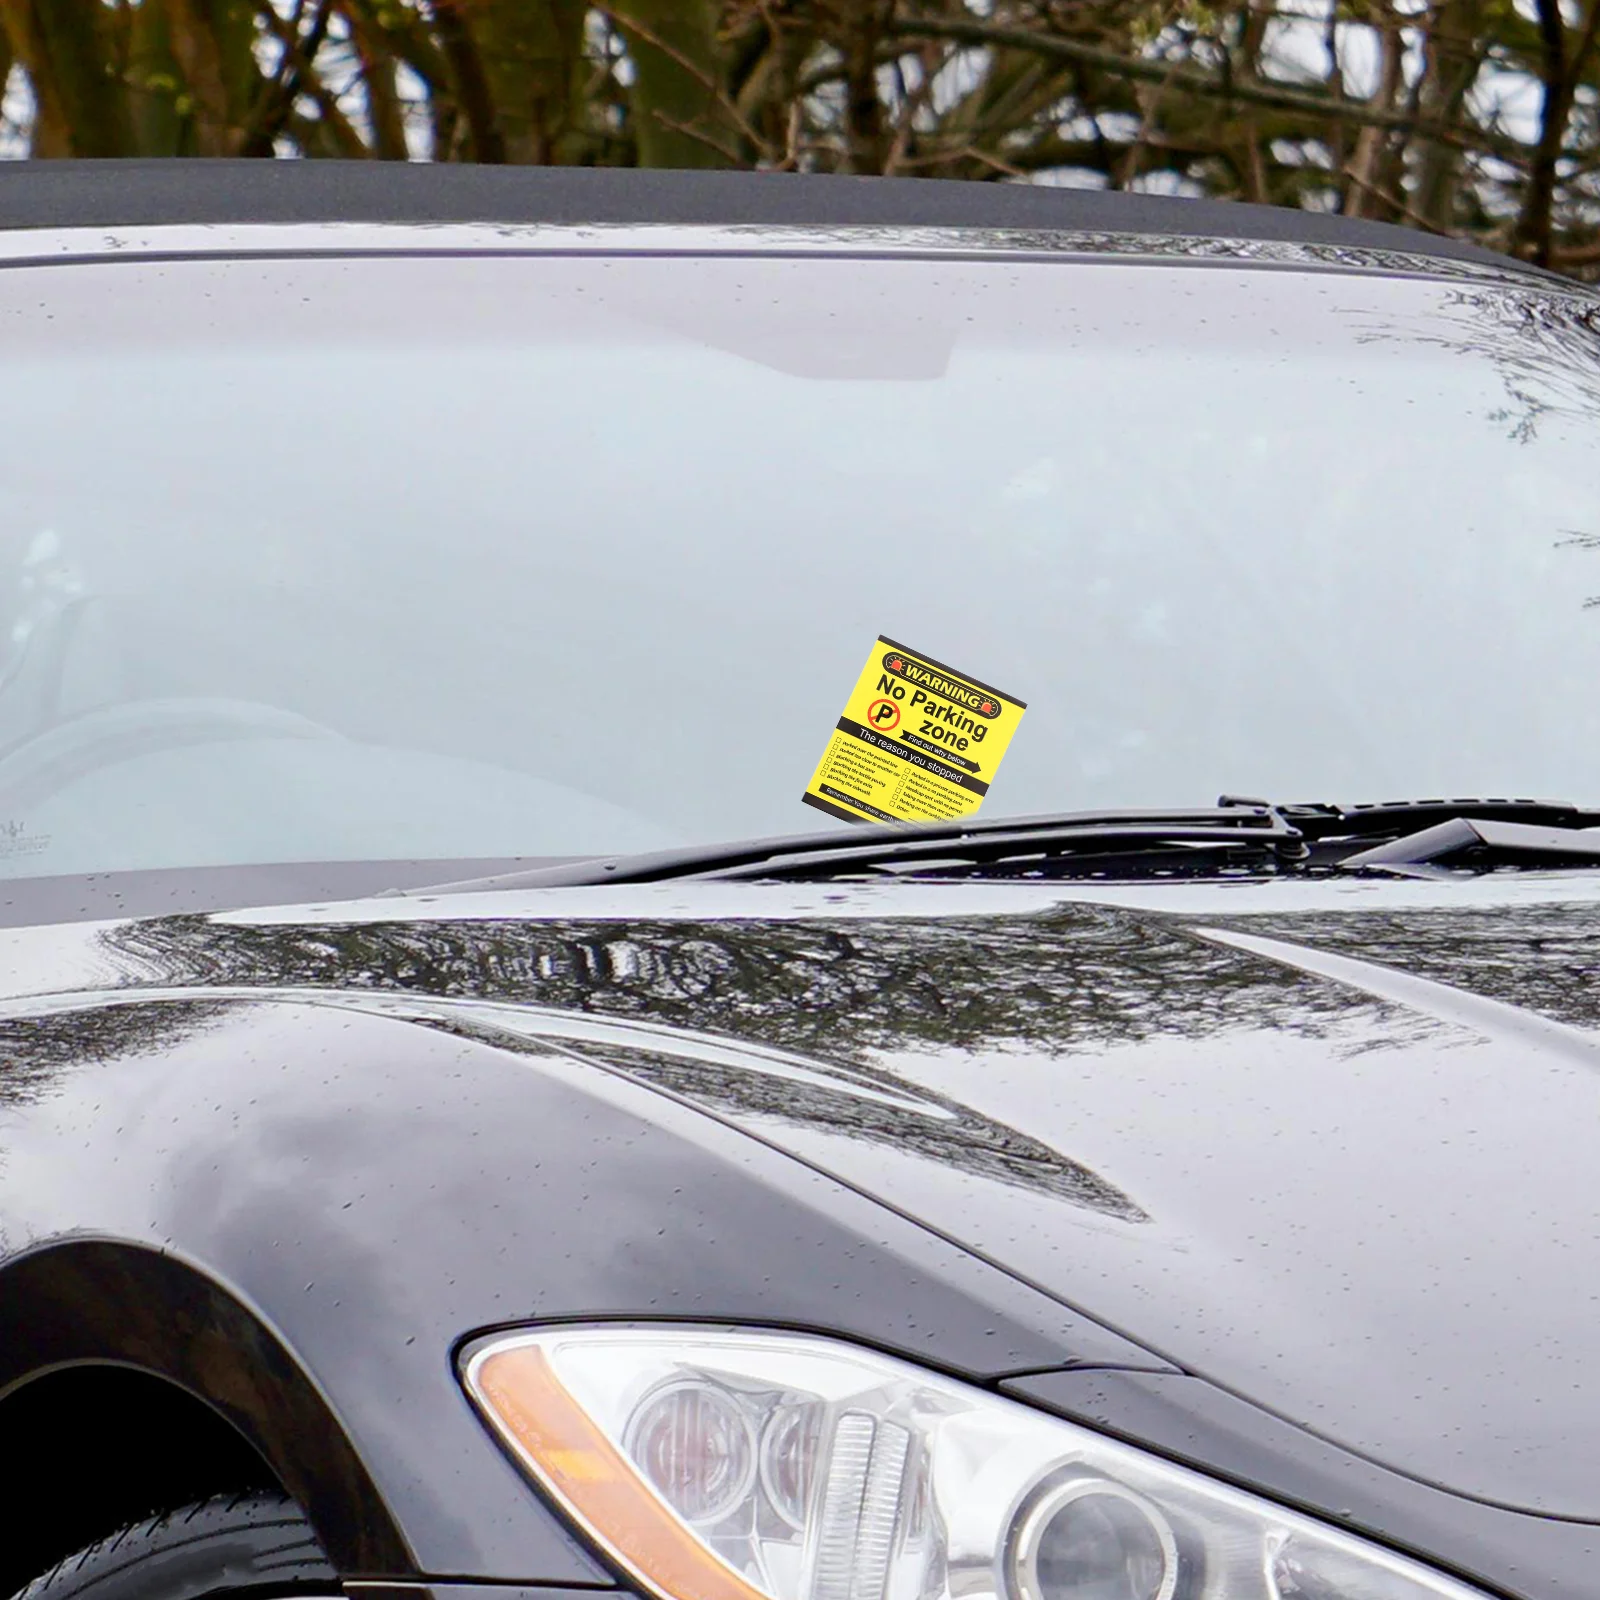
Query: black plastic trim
[[88, 194]]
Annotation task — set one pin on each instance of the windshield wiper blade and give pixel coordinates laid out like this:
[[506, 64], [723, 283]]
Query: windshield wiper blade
[[1236, 837], [1109, 843]]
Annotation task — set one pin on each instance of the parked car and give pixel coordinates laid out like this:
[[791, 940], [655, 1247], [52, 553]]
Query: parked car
[[466, 1133]]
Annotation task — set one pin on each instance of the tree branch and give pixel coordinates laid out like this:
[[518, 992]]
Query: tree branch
[[652, 37], [276, 104], [1535, 224], [471, 82], [304, 80], [1197, 81]]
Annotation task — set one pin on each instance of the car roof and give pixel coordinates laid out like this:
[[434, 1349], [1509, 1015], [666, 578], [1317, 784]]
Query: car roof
[[89, 194]]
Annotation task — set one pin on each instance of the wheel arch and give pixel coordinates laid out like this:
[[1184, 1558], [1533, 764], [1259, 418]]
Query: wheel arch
[[127, 1372]]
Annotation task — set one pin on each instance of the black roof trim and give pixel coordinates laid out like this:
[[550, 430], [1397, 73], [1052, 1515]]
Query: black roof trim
[[87, 194]]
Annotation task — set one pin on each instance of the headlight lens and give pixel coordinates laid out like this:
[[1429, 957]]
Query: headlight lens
[[770, 1467]]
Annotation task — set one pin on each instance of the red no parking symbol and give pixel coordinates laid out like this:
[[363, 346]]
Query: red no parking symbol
[[883, 715]]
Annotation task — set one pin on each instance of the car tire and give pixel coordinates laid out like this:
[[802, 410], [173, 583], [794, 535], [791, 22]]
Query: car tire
[[259, 1543]]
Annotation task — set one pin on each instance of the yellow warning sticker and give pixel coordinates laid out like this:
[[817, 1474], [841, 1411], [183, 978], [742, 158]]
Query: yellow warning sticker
[[918, 742]]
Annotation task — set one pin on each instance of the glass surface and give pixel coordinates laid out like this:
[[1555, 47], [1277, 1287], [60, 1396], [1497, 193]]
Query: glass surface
[[329, 560]]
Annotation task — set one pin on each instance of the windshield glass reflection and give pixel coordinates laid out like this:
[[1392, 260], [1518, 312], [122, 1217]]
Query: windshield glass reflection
[[585, 559]]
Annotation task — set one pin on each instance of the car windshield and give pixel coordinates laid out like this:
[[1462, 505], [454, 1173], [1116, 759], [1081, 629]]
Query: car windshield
[[539, 555]]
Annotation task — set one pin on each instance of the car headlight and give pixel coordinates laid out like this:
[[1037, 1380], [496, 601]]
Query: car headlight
[[717, 1466]]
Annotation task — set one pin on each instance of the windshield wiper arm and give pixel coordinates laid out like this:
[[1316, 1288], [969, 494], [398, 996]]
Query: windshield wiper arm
[[1108, 843], [1443, 838], [1396, 819], [1479, 845]]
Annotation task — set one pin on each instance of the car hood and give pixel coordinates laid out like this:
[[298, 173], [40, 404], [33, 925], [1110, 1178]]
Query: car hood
[[1338, 1156]]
